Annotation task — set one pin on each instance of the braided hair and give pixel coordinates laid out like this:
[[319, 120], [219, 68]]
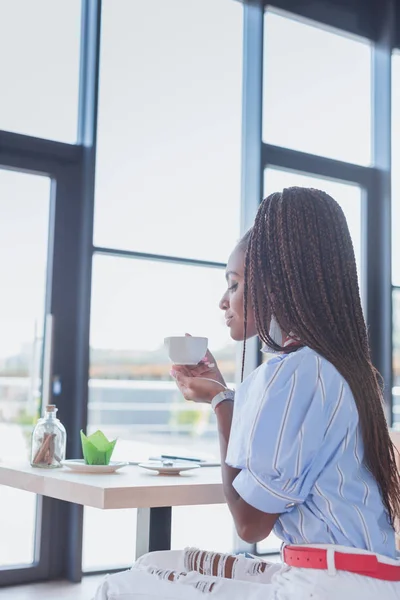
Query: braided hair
[[300, 267]]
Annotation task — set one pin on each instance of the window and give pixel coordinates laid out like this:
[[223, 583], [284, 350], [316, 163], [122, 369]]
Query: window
[[271, 545], [39, 43], [395, 235], [349, 196], [396, 169], [167, 209], [317, 90], [167, 183], [211, 527], [135, 305], [118, 530], [24, 224], [169, 133]]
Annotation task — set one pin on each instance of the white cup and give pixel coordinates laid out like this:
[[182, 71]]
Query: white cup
[[185, 350]]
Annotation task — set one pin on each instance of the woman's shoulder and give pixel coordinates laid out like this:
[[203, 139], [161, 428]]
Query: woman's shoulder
[[277, 371], [306, 366], [303, 361], [298, 388]]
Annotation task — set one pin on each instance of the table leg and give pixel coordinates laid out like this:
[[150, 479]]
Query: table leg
[[153, 530]]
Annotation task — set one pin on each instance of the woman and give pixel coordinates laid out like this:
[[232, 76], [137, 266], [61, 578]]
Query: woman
[[305, 449]]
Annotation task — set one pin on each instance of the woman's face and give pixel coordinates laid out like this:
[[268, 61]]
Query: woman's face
[[232, 302]]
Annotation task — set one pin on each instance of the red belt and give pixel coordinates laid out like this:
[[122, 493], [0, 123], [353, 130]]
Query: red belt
[[362, 564]]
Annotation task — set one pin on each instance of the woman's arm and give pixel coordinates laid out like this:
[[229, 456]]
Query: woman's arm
[[251, 524]]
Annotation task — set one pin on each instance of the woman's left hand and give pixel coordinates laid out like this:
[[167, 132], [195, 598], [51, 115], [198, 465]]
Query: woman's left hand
[[196, 389]]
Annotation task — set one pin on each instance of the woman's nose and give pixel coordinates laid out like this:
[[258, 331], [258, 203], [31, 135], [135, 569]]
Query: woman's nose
[[224, 302]]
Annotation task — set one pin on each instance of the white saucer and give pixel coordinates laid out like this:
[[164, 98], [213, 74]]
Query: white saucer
[[175, 469], [80, 466]]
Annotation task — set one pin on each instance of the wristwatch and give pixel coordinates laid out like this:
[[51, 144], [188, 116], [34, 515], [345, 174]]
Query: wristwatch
[[222, 397]]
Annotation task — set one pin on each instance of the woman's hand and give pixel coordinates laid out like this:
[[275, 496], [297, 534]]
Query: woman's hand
[[207, 367], [192, 384], [195, 388]]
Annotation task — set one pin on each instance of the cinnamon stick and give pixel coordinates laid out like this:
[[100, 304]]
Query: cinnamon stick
[[46, 450]]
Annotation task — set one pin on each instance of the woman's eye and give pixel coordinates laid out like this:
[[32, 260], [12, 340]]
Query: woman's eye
[[233, 287]]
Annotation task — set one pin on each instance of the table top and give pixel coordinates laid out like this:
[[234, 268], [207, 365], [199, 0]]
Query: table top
[[131, 487]]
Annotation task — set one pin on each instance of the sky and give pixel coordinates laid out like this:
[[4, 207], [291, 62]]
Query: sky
[[169, 150], [23, 257], [40, 77]]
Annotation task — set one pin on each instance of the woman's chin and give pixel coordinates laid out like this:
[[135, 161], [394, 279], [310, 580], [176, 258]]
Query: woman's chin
[[237, 336]]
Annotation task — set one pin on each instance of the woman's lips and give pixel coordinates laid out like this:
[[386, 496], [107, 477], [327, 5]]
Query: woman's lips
[[228, 321]]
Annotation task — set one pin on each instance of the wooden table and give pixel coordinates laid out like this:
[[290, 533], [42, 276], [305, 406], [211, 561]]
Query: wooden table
[[131, 487]]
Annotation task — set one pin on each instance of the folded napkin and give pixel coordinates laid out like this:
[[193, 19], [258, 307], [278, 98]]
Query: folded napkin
[[96, 448]]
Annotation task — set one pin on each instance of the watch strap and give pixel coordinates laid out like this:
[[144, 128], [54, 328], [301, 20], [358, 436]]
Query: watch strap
[[226, 395]]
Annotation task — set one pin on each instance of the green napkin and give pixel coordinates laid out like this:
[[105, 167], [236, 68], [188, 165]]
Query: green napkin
[[96, 448]]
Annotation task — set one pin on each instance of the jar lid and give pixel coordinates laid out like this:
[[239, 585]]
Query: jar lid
[[51, 408]]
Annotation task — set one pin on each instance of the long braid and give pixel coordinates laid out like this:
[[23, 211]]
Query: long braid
[[300, 267], [245, 307]]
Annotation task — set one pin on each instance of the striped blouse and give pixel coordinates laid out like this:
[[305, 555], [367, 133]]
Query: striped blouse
[[296, 438]]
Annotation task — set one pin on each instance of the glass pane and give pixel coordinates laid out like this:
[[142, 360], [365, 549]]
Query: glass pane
[[24, 223], [40, 77], [346, 194], [118, 529], [169, 132], [211, 527], [135, 304], [317, 90], [207, 527], [396, 359], [396, 169], [271, 545]]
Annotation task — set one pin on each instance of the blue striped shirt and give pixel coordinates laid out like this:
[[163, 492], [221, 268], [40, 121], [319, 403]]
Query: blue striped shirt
[[296, 438]]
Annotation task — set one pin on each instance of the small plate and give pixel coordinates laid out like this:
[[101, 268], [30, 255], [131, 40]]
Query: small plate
[[175, 469], [80, 466]]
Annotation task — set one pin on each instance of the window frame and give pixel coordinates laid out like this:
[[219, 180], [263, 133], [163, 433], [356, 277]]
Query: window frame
[[374, 180], [395, 288]]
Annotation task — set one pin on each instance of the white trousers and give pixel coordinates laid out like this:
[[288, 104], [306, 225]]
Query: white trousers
[[282, 583]]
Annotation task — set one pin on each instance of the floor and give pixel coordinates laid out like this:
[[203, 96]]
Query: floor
[[52, 591]]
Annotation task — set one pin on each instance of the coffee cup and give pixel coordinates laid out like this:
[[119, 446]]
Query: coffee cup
[[186, 350]]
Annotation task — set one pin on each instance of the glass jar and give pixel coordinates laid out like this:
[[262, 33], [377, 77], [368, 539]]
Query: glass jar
[[49, 440]]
